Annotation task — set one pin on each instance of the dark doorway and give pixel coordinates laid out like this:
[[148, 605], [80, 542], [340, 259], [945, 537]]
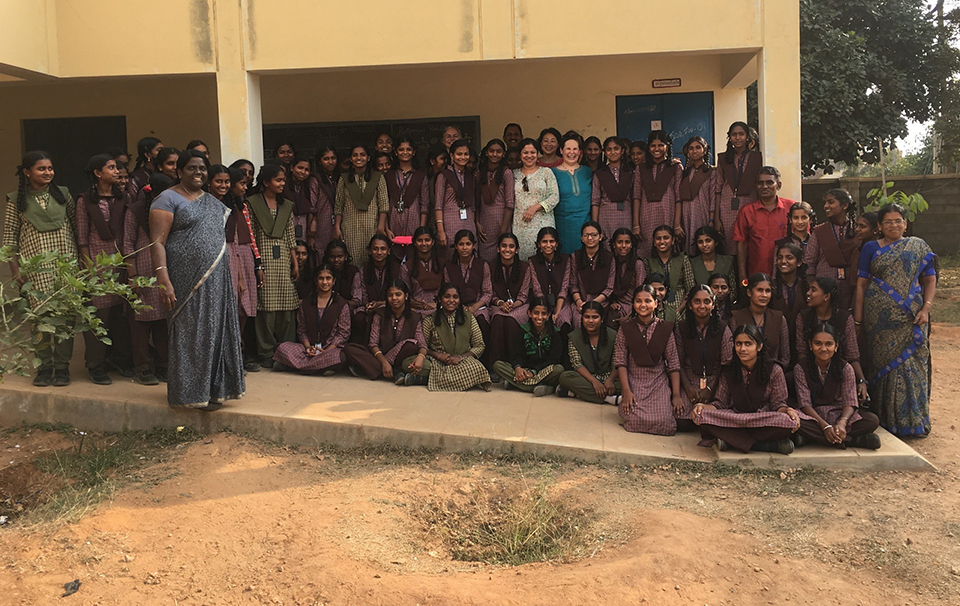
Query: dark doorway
[[72, 141], [682, 115], [341, 135]]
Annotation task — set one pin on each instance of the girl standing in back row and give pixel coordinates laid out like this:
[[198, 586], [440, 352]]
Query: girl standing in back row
[[277, 301], [408, 190], [40, 217], [699, 187], [612, 197], [656, 191], [738, 168], [100, 212], [323, 190], [496, 204], [362, 205]]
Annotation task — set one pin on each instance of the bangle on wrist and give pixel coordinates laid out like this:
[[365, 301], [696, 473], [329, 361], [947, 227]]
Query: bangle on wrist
[[826, 427], [156, 269]]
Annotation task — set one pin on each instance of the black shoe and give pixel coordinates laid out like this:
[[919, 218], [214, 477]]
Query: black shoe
[[61, 377], [400, 378], [267, 363], [161, 374], [562, 391], [145, 377], [212, 406], [871, 441], [494, 377], [99, 376], [44, 377], [412, 379], [354, 371], [798, 440], [784, 446], [251, 366], [723, 445], [278, 367], [109, 366]]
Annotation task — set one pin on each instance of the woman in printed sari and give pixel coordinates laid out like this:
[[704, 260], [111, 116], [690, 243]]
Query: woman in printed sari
[[186, 225], [896, 283]]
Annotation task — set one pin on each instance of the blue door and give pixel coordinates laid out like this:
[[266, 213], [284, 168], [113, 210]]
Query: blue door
[[682, 115]]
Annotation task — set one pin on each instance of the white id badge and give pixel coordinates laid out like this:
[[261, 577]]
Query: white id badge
[[842, 273], [463, 214]]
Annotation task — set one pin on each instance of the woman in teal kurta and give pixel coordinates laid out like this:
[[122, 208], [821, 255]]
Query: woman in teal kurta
[[575, 184]]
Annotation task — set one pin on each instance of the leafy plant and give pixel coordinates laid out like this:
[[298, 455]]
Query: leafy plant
[[913, 203], [60, 311]]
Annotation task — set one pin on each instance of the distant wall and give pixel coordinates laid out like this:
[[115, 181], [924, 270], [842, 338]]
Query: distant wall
[[939, 225]]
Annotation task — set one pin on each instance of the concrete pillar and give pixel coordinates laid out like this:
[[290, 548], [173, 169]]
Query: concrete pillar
[[779, 94], [729, 106], [238, 91], [241, 121]]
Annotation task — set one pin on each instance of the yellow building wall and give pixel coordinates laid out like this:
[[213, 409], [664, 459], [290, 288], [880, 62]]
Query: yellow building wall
[[576, 93], [29, 30], [174, 109], [141, 37], [69, 38], [304, 34], [547, 28]]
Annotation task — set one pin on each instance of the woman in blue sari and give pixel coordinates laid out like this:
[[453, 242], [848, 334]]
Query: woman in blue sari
[[896, 284], [576, 184]]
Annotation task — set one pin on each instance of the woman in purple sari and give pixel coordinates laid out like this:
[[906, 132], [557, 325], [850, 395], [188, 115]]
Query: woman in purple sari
[[896, 283]]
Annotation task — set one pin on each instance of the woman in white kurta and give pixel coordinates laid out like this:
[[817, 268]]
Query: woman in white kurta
[[535, 196]]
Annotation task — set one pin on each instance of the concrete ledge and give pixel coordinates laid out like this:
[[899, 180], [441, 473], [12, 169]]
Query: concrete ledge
[[347, 411]]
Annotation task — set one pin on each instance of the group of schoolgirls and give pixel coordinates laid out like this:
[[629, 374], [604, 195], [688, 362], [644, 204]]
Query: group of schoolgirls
[[673, 340], [603, 324]]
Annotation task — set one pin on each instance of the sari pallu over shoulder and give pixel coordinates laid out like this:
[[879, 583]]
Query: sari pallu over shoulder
[[894, 269], [898, 365], [182, 302]]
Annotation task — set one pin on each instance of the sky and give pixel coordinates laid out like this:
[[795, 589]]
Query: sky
[[912, 143]]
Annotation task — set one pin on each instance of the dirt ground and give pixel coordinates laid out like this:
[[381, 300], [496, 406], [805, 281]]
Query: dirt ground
[[227, 520]]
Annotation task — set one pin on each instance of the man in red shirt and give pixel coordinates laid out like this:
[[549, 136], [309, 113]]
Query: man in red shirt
[[760, 224]]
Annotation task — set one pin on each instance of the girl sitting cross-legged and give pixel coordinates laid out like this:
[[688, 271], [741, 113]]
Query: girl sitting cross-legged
[[591, 357], [827, 397], [535, 363], [749, 411], [454, 344], [394, 334], [323, 328]]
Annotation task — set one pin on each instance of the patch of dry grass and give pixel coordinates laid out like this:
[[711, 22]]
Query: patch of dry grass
[[500, 523]]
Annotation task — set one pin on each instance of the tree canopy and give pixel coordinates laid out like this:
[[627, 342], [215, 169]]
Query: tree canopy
[[866, 68]]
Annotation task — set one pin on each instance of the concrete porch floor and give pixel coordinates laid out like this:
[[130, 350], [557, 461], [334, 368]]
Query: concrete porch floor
[[348, 411]]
